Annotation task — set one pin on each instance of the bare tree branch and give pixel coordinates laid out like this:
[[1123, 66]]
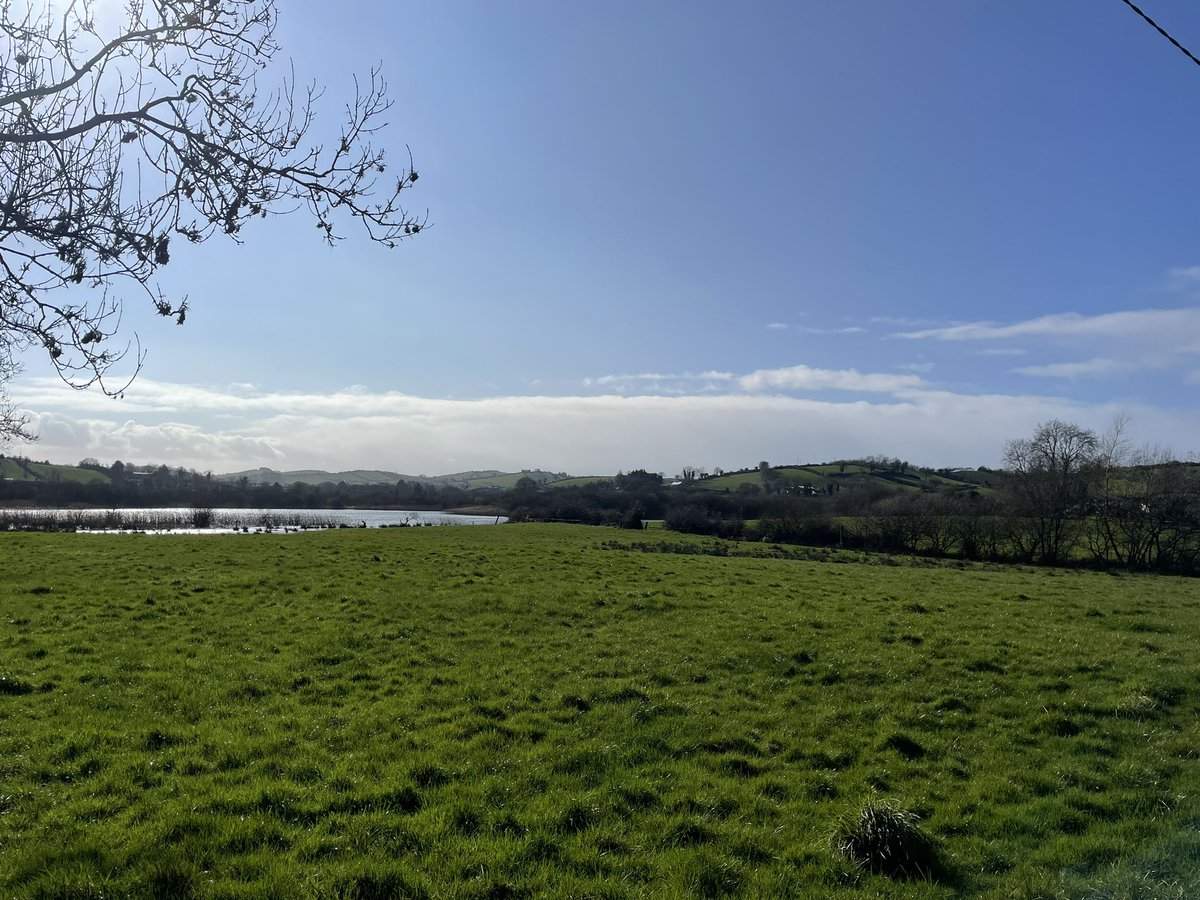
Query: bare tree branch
[[117, 139], [13, 425]]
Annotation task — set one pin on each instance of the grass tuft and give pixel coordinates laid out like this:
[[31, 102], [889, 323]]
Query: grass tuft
[[886, 839]]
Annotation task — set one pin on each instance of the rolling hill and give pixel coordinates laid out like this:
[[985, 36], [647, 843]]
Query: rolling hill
[[472, 479], [851, 475]]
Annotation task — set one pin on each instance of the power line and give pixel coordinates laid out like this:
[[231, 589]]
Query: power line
[[1182, 49]]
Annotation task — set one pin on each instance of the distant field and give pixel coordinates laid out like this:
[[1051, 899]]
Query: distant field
[[850, 476], [730, 482], [809, 475], [506, 480], [315, 477], [580, 481], [558, 711], [10, 468]]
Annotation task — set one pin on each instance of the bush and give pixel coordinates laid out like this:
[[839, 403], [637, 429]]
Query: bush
[[794, 530], [886, 839], [633, 519], [697, 520]]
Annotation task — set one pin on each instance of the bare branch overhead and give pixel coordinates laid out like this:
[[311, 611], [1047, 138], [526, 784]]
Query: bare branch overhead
[[118, 140]]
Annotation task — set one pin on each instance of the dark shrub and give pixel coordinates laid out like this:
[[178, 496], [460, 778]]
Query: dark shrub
[[796, 530], [886, 839], [697, 520]]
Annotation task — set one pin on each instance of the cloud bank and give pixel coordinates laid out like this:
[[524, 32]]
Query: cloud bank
[[226, 429], [662, 420]]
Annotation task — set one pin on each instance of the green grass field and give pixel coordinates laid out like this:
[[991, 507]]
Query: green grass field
[[730, 482], [505, 481], [580, 481], [21, 471], [814, 476], [557, 711], [849, 475]]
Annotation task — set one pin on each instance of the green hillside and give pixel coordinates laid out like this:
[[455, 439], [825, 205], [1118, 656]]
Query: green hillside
[[581, 481], [467, 477], [848, 475], [502, 480], [317, 476], [471, 479], [21, 470]]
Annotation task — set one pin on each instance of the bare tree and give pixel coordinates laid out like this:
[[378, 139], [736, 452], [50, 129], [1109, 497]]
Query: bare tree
[[13, 425], [1145, 507], [893, 524], [119, 139], [1050, 480], [982, 528]]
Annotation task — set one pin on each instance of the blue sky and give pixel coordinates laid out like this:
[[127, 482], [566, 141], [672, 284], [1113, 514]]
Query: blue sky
[[672, 234]]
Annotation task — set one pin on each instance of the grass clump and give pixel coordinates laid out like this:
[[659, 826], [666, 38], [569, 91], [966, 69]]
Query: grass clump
[[886, 839]]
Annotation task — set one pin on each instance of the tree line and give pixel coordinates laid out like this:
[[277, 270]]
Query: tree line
[[1067, 496], [1070, 496], [128, 485]]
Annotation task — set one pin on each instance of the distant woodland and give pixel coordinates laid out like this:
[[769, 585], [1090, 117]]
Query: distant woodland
[[1065, 497]]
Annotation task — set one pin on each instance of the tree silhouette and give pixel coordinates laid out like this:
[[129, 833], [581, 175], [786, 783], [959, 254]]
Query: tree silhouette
[[121, 139], [13, 425], [1050, 474]]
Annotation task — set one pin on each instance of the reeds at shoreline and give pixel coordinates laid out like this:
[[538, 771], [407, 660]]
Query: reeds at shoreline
[[159, 520]]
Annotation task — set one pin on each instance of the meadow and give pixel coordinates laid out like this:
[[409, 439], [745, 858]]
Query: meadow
[[562, 711]]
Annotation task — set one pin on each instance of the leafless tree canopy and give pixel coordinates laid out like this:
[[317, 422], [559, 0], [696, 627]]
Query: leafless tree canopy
[[13, 425], [123, 135], [1051, 474]]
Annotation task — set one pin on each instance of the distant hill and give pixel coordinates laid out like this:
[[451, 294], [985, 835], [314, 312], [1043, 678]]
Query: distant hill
[[855, 475], [471, 479], [14, 469], [581, 481], [315, 476], [819, 477], [506, 480]]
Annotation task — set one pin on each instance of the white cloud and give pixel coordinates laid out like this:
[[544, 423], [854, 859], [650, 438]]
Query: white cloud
[[777, 326], [63, 438], [660, 376], [898, 321], [805, 378], [578, 434], [1183, 277], [663, 382], [237, 428], [790, 378], [1169, 324], [1087, 369], [849, 329]]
